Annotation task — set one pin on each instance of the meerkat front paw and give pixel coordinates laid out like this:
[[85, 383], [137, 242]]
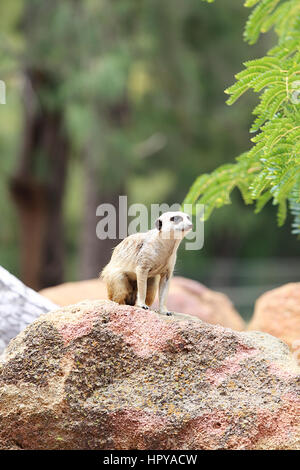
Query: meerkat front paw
[[144, 306]]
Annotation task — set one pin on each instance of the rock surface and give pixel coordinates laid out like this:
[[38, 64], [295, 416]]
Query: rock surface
[[191, 297], [278, 312], [185, 296], [19, 306], [97, 375]]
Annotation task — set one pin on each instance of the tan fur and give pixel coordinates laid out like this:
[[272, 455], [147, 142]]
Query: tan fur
[[144, 262]]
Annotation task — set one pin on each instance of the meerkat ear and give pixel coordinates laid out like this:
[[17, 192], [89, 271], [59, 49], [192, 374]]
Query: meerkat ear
[[158, 224]]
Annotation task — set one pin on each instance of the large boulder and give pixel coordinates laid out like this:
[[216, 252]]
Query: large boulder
[[185, 295], [278, 312], [97, 375]]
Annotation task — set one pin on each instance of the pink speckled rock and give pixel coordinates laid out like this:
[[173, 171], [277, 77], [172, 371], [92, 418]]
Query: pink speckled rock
[[278, 312], [185, 295], [97, 375]]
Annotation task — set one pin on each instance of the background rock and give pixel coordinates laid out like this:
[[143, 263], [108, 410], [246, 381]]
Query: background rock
[[185, 296], [97, 375], [19, 306], [73, 292], [191, 297], [278, 312]]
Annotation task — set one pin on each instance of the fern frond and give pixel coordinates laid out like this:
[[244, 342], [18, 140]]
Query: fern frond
[[257, 18], [282, 212], [294, 204], [262, 201], [270, 170]]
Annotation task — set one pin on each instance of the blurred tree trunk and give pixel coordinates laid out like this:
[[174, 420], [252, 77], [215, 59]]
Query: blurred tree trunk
[[37, 187], [94, 253]]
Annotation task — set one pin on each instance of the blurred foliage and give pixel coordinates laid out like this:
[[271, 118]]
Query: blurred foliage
[[140, 83], [270, 170]]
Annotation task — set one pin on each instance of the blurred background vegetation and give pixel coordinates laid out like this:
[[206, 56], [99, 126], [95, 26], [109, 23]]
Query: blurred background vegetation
[[109, 98]]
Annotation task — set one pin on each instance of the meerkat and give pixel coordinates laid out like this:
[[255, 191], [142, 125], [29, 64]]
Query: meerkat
[[144, 263]]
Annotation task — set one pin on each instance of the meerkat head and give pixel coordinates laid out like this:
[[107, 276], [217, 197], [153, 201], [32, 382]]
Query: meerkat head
[[174, 224]]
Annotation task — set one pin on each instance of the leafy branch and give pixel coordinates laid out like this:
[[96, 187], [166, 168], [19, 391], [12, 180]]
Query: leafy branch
[[270, 170]]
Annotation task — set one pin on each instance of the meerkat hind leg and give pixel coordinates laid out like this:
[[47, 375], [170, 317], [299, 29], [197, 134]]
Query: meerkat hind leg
[[121, 290], [131, 293]]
